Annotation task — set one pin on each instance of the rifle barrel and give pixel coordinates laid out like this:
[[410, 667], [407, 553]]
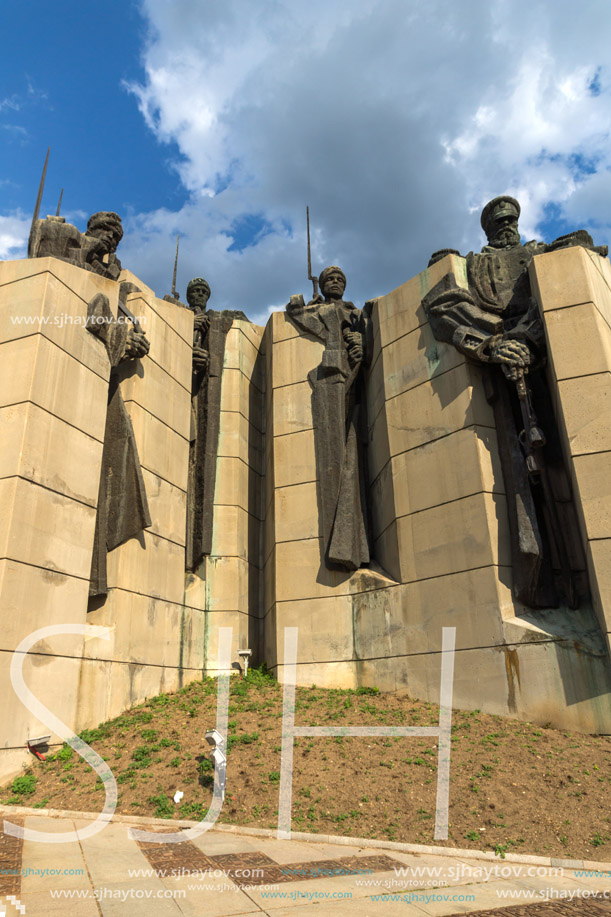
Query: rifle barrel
[[38, 203]]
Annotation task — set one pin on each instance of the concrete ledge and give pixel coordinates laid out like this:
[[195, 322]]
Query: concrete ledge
[[321, 838]]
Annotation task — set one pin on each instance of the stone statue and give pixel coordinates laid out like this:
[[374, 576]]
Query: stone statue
[[93, 250], [209, 336], [496, 323], [339, 416], [122, 505]]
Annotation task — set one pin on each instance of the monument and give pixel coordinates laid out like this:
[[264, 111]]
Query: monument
[[439, 458]]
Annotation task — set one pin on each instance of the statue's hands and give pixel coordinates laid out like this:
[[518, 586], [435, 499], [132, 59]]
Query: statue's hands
[[201, 322], [201, 358], [354, 344], [512, 355], [136, 345]]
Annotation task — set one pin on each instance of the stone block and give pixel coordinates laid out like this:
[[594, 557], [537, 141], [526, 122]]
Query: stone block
[[462, 535], [586, 406], [147, 631], [34, 597], [106, 689], [177, 317], [415, 358], [450, 402], [144, 383], [242, 352], [282, 327], [292, 409], [53, 680], [244, 636], [43, 304], [294, 358], [339, 675], [296, 512], [579, 341], [34, 369], [294, 459], [378, 451], [236, 395], [254, 333], [168, 508], [236, 534], [301, 574], [400, 311], [598, 555], [232, 585], [593, 474], [269, 582], [38, 446], [168, 349], [375, 388], [161, 450], [325, 630], [238, 437], [464, 463], [238, 485], [149, 565], [567, 277], [45, 529], [386, 551]]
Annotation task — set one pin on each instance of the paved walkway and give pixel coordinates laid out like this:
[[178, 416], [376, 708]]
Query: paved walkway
[[230, 871]]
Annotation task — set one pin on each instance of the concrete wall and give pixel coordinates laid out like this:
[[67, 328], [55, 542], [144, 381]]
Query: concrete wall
[[163, 625], [441, 555]]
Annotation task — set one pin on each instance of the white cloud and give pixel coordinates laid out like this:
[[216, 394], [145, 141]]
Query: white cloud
[[393, 119], [14, 236]]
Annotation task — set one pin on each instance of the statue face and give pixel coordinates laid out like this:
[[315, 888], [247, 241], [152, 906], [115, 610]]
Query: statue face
[[502, 231], [334, 285], [198, 297], [108, 236]]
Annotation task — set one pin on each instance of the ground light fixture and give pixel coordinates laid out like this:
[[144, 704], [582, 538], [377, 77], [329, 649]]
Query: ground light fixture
[[218, 756], [245, 654]]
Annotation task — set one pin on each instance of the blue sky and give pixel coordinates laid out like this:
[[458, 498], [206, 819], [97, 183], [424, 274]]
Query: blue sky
[[394, 120]]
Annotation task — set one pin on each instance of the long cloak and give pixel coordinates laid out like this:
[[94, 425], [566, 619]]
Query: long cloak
[[340, 425]]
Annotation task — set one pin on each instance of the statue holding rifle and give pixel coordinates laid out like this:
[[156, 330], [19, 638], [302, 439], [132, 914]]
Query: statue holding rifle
[[339, 414], [496, 323]]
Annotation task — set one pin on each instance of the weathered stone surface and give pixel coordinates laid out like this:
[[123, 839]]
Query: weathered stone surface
[[34, 369], [33, 597], [167, 506], [45, 304], [149, 565], [54, 679], [44, 528], [133, 618], [593, 474], [586, 405], [42, 448], [237, 484], [456, 536], [296, 512], [292, 409], [579, 341], [233, 584], [401, 311], [162, 451], [294, 459]]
